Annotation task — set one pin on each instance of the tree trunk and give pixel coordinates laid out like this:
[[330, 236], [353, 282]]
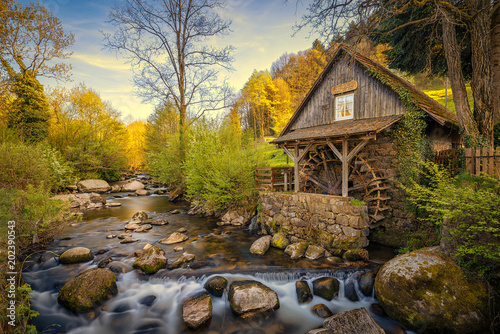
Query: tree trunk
[[481, 83], [495, 59], [466, 121]]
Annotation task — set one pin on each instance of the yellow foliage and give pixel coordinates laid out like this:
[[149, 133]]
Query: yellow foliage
[[135, 146]]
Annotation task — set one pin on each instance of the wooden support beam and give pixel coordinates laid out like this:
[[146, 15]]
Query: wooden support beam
[[345, 168], [288, 153], [303, 154], [356, 150], [334, 149], [296, 169]]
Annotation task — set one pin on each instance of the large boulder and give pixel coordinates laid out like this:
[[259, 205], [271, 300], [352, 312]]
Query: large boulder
[[314, 252], [326, 287], [261, 245], [248, 297], [88, 290], [357, 321], [426, 290], [297, 250], [133, 186], [197, 310], [151, 260], [366, 282], [76, 255], [93, 186], [174, 238]]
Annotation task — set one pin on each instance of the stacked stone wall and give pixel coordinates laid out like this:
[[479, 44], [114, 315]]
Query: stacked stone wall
[[329, 221]]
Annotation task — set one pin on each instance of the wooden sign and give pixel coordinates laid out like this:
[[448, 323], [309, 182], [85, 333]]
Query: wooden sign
[[346, 87]]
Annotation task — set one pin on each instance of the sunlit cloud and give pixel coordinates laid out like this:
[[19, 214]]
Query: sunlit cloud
[[109, 63]]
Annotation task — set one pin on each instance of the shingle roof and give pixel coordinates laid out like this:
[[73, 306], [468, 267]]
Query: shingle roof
[[340, 129], [435, 110]]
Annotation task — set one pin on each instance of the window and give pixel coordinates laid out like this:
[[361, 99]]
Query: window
[[344, 107]]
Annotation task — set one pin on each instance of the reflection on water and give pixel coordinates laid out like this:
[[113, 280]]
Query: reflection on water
[[225, 248]]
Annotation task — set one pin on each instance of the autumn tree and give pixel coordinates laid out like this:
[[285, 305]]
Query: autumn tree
[[32, 39], [161, 126], [170, 46], [135, 144], [332, 17]]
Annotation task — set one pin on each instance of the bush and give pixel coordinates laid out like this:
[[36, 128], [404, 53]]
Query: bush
[[165, 165], [469, 207], [219, 168]]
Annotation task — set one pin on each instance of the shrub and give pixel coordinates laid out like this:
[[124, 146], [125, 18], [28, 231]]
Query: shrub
[[165, 164]]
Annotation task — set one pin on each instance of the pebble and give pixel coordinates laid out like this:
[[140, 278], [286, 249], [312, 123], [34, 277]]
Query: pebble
[[111, 236], [178, 249], [182, 230], [128, 240]]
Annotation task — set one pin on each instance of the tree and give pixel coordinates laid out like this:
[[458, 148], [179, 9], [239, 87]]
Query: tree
[[162, 124], [135, 144], [334, 16], [169, 46], [31, 39]]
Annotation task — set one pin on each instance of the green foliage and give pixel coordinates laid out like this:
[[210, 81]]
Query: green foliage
[[496, 134], [165, 163], [470, 208], [219, 169], [357, 202]]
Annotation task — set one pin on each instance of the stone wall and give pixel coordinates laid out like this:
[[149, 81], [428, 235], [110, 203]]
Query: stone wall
[[326, 220]]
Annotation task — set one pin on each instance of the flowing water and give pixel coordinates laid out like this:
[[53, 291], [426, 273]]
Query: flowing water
[[151, 304]]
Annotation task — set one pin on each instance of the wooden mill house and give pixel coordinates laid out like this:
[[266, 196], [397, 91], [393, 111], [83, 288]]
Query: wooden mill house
[[340, 136]]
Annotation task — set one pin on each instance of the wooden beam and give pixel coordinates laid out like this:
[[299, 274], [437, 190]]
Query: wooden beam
[[334, 149], [345, 168], [303, 154], [356, 150], [296, 169], [288, 153]]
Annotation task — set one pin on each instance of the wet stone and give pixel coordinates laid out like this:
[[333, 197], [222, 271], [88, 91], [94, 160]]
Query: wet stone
[[159, 222], [147, 300], [366, 283], [124, 235], [111, 236], [322, 311], [197, 310], [216, 286], [303, 291], [326, 287], [178, 249], [129, 240], [200, 264], [261, 245], [350, 291], [174, 238], [376, 309], [144, 228], [182, 230], [102, 251], [104, 263]]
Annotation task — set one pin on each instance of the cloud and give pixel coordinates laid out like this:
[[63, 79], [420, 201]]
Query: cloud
[[102, 61]]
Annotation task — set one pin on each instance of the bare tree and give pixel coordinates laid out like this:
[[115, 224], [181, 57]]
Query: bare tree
[[331, 18], [168, 43]]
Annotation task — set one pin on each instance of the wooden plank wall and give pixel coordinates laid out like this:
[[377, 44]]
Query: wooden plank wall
[[483, 160], [371, 98]]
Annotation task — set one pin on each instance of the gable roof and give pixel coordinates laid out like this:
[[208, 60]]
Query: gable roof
[[435, 110]]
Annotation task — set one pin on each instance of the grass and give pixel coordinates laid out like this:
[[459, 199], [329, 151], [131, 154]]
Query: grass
[[275, 157], [438, 94]]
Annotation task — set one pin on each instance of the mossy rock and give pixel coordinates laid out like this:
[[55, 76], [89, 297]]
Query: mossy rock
[[76, 255], [326, 287], [427, 291], [356, 255], [151, 260], [216, 286], [297, 250], [88, 290], [303, 291], [280, 241]]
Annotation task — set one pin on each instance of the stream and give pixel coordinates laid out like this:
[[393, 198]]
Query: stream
[[152, 303]]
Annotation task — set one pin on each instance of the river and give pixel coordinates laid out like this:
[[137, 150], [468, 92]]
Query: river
[[151, 304]]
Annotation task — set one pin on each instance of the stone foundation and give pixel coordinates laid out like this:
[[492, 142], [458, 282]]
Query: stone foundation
[[329, 221]]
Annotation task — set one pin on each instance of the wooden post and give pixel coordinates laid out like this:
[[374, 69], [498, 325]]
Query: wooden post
[[345, 167], [285, 181], [296, 168]]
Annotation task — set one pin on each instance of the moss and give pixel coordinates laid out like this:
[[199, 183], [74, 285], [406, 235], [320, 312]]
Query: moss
[[280, 241]]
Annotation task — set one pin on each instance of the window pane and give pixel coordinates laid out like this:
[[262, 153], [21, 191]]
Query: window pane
[[349, 98]]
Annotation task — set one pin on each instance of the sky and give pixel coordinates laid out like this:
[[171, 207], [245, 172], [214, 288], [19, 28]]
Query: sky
[[261, 32]]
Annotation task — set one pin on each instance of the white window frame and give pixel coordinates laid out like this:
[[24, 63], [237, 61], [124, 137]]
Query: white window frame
[[338, 116]]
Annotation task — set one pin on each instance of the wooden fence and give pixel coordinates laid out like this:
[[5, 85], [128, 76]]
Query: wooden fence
[[274, 178], [483, 160]]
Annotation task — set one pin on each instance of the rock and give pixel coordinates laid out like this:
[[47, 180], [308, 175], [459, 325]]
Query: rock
[[350, 291], [426, 289], [261, 245], [111, 236], [182, 261], [280, 241], [175, 212], [116, 188], [118, 268], [151, 260], [129, 240], [322, 311], [82, 201], [103, 263], [93, 186], [334, 259], [216, 286], [147, 246], [158, 192], [356, 321], [147, 300], [124, 235], [160, 222], [174, 238], [236, 218], [197, 310], [326, 287], [142, 192], [178, 249], [320, 331], [175, 194], [88, 290], [72, 187], [377, 310], [314, 252], [131, 226], [133, 186], [200, 264], [303, 291], [113, 204], [76, 255], [144, 228], [139, 217], [182, 230], [356, 255], [366, 282], [251, 297], [297, 250]]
